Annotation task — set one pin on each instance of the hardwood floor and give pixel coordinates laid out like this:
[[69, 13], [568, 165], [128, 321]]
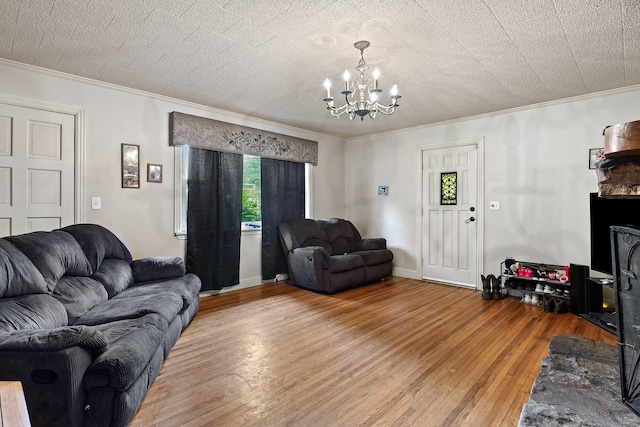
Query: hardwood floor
[[400, 352]]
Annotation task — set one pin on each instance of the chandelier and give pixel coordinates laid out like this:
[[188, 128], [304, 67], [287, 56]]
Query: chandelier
[[361, 94]]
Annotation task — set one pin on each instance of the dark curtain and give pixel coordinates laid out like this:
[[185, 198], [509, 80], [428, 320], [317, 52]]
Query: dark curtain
[[214, 211], [282, 196]]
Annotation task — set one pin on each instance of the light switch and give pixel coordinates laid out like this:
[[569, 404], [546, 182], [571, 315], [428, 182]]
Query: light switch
[[96, 203]]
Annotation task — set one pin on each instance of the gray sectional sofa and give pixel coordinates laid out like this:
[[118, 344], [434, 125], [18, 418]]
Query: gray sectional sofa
[[329, 255], [84, 327]]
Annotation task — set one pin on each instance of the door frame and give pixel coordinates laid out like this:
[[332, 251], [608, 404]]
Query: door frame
[[79, 196], [420, 149]]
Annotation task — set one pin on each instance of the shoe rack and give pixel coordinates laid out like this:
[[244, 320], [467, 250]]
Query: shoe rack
[[540, 281]]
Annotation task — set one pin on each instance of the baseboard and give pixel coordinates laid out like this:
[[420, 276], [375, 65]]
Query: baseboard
[[257, 281], [244, 283], [403, 272]]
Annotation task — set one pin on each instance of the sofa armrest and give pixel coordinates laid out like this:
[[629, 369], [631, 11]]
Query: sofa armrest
[[306, 266], [52, 383], [134, 342], [317, 253], [54, 339], [372, 244], [156, 268]]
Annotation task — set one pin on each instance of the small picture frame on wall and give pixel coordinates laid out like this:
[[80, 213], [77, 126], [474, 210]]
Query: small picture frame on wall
[[130, 166], [154, 173], [595, 155]]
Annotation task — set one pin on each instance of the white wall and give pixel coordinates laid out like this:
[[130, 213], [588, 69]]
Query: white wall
[[536, 165], [144, 218]]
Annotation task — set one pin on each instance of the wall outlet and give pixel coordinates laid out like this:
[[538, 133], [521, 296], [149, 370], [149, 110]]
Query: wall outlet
[[96, 203], [494, 205]]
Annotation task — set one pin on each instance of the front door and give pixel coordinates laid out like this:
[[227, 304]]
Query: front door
[[37, 163], [450, 214]]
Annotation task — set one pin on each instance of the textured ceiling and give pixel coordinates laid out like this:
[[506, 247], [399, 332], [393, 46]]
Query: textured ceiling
[[268, 59]]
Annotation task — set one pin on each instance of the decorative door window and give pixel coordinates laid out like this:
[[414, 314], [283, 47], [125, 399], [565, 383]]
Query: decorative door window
[[449, 188]]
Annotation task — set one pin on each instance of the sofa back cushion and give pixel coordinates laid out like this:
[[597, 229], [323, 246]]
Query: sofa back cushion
[[38, 311], [18, 275], [98, 244], [54, 253], [302, 232], [78, 295], [115, 275], [342, 236]]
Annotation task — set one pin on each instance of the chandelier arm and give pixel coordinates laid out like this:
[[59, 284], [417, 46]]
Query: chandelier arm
[[337, 111], [386, 110], [346, 99]]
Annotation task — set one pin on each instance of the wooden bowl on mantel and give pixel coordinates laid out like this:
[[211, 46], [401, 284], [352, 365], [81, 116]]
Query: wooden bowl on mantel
[[622, 139]]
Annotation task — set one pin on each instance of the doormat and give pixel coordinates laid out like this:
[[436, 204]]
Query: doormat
[[578, 385]]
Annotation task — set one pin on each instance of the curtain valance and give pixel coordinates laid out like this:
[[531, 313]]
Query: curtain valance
[[209, 134]]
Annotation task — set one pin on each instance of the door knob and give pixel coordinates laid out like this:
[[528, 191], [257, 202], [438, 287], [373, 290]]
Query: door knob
[[470, 220]]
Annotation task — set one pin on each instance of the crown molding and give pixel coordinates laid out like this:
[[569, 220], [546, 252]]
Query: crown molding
[[586, 96], [229, 116]]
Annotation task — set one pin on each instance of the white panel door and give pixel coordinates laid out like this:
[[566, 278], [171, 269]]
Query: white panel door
[[449, 214], [36, 170]]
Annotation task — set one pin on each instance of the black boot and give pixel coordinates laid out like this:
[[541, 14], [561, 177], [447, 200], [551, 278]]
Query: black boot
[[496, 287], [486, 286], [562, 305]]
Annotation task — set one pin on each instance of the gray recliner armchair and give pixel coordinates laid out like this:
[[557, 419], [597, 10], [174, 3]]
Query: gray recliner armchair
[[329, 255]]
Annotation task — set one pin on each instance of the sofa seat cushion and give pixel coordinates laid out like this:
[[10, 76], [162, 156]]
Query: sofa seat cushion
[[379, 256], [38, 311], [132, 344], [115, 275], [79, 295], [186, 287], [165, 304], [339, 263]]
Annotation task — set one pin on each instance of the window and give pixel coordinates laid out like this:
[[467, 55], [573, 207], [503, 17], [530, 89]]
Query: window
[[181, 164], [251, 213]]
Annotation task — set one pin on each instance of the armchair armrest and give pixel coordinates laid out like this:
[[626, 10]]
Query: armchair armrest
[[155, 268], [372, 244]]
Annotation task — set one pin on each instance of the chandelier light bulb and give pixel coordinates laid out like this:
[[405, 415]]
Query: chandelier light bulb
[[346, 77], [376, 76], [364, 100], [327, 85]]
